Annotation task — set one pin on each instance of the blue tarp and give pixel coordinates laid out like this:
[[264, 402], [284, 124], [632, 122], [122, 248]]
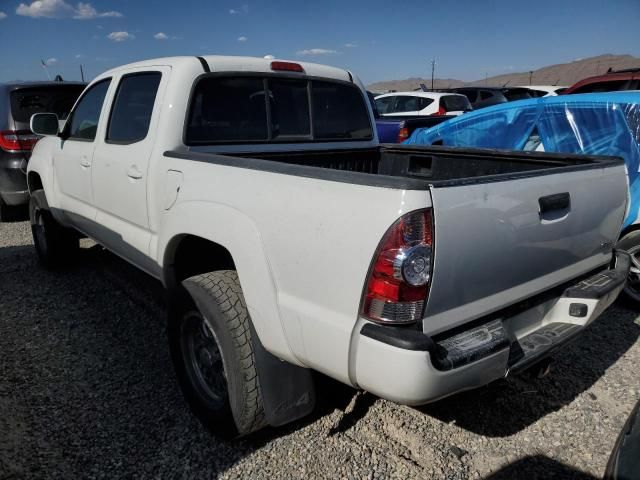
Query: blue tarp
[[592, 124]]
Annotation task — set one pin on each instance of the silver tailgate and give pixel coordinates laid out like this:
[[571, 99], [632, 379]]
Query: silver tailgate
[[493, 247]]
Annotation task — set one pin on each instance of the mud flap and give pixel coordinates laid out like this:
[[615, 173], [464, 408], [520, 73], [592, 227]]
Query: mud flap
[[288, 391]]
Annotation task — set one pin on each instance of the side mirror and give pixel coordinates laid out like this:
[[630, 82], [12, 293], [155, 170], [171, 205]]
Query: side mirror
[[44, 124]]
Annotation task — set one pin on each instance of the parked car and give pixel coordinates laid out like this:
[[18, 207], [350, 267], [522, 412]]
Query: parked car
[[594, 124], [18, 101], [288, 239], [536, 91], [421, 103], [481, 97], [397, 129], [613, 80]]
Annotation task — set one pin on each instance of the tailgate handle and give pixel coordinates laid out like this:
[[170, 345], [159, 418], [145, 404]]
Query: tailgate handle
[[551, 203]]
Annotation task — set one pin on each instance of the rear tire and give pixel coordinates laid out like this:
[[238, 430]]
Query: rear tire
[[630, 243], [210, 340], [4, 211], [54, 244]]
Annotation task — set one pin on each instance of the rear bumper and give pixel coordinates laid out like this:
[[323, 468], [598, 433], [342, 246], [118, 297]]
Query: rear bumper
[[409, 367], [13, 180]]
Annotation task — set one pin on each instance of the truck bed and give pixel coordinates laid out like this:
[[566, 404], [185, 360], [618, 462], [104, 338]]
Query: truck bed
[[436, 164]]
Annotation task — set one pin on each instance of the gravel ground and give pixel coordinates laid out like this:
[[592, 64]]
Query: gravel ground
[[87, 390]]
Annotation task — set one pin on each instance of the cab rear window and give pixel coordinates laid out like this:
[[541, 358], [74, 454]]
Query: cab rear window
[[56, 99], [275, 109]]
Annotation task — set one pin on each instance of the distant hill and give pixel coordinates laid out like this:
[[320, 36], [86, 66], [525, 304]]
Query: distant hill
[[561, 74]]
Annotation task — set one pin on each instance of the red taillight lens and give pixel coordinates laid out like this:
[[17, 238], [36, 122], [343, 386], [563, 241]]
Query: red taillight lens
[[17, 140], [399, 278], [287, 67], [441, 111], [403, 134]]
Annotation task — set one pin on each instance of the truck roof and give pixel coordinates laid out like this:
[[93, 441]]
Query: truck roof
[[222, 63]]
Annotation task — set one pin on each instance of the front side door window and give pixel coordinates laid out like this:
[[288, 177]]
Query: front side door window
[[84, 119]]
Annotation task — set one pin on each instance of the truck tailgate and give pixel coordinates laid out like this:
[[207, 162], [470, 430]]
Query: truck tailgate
[[500, 242]]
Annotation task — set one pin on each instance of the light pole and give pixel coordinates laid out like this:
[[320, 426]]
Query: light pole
[[530, 75], [433, 69]]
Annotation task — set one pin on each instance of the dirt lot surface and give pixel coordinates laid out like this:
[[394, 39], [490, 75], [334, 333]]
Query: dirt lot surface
[[87, 390]]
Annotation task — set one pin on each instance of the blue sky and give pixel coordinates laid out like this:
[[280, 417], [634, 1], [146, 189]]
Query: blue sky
[[378, 40]]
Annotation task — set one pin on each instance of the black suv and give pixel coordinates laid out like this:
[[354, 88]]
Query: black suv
[[481, 97], [18, 101]]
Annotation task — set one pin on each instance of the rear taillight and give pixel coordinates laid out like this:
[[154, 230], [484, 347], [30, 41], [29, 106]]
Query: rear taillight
[[398, 281], [17, 140], [441, 111], [403, 134]]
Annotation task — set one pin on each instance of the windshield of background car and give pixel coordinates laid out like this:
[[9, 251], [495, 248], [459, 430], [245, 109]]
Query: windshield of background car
[[274, 109], [56, 99]]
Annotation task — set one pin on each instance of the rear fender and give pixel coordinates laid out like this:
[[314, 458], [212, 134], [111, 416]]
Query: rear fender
[[237, 233]]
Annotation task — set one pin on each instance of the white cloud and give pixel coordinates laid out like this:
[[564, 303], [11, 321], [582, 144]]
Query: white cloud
[[317, 51], [85, 11], [238, 11], [161, 36], [120, 36], [243, 39], [3, 15], [50, 61], [62, 9], [350, 45], [79, 55]]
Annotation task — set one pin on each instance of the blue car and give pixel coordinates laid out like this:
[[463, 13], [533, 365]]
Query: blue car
[[593, 124]]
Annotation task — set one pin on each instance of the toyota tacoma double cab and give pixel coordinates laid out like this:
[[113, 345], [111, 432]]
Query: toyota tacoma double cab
[[289, 240]]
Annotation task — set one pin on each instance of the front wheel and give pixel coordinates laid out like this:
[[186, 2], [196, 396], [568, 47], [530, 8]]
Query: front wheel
[[630, 243], [54, 243], [210, 340]]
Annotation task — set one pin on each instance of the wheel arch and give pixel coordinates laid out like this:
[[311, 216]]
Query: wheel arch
[[224, 238]]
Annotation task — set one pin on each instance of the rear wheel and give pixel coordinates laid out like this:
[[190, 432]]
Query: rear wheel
[[631, 244], [5, 212], [210, 340], [54, 243]]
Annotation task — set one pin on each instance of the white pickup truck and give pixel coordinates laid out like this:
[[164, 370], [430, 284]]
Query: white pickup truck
[[290, 241]]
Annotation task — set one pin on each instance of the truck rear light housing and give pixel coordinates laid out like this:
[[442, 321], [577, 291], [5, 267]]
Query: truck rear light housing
[[398, 281], [17, 140], [287, 67], [403, 134]]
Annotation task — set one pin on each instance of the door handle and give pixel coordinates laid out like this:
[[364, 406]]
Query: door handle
[[85, 163], [134, 173], [551, 203]]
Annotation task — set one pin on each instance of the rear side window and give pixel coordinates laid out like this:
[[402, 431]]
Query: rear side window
[[406, 104], [132, 107], [385, 104], [84, 119], [484, 95], [58, 99], [455, 103], [424, 103], [255, 109]]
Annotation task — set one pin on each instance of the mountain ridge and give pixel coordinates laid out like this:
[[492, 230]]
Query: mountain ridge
[[558, 74]]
